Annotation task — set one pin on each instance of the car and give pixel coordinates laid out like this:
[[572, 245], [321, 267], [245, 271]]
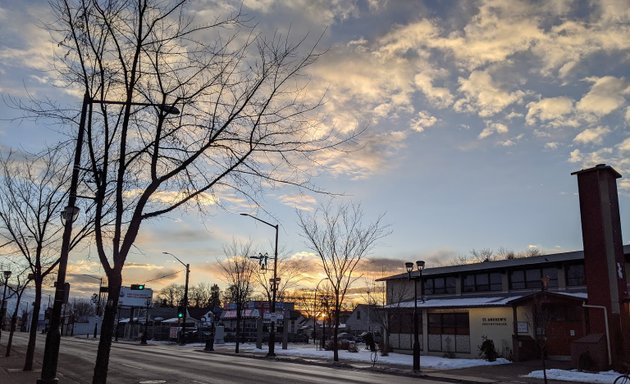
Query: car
[[344, 336]]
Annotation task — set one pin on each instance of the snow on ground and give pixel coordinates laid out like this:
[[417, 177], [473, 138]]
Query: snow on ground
[[363, 356], [575, 376]]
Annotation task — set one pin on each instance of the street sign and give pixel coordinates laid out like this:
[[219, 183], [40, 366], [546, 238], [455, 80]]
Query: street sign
[[134, 298]]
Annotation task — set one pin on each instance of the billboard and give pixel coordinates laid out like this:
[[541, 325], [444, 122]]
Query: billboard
[[135, 297]]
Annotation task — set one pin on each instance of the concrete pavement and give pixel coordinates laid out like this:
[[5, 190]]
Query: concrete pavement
[[11, 368]]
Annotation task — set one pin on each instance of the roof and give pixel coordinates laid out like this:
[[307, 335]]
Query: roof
[[501, 264], [485, 301]]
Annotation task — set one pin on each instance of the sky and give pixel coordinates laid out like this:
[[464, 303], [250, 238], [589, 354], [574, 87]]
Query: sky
[[476, 114]]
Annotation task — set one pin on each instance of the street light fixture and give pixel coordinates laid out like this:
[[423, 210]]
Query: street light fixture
[[182, 339], [416, 342], [274, 289], [3, 309], [70, 213]]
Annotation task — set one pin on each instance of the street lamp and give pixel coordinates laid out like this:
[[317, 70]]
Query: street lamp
[[182, 340], [325, 304], [315, 310], [274, 289], [416, 343], [70, 213], [96, 299], [143, 341], [3, 309]]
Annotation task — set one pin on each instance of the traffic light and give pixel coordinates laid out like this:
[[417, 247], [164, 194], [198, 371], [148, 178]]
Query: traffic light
[[180, 312], [137, 287]]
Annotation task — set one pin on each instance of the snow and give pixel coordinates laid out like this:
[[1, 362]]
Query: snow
[[310, 351], [575, 376], [363, 356]]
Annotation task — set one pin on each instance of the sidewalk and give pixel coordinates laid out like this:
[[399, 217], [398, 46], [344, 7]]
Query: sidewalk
[[11, 367]]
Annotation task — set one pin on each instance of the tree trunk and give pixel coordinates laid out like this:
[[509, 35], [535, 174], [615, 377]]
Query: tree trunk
[[107, 329], [32, 336], [12, 326]]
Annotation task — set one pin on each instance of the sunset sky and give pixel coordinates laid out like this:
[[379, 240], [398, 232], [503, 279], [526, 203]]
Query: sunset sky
[[476, 113]]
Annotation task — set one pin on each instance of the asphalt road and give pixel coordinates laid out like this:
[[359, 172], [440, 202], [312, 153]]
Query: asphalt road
[[155, 364]]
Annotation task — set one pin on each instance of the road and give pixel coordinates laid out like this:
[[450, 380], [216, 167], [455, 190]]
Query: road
[[155, 364]]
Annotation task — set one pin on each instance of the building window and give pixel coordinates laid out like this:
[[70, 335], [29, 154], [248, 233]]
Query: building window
[[440, 285], [531, 278], [402, 322], [575, 275], [358, 315], [449, 332], [482, 282]]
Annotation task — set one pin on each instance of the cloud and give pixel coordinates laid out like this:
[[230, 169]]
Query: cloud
[[422, 121], [441, 97], [551, 108], [492, 128], [591, 135], [575, 156], [299, 201], [606, 95], [375, 155], [624, 146], [483, 96]]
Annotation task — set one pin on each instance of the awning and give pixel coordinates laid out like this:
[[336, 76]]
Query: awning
[[484, 301]]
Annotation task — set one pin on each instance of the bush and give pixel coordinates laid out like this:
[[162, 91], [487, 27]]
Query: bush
[[487, 350]]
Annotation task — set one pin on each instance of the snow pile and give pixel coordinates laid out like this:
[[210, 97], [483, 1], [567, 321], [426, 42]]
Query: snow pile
[[576, 376], [364, 356]]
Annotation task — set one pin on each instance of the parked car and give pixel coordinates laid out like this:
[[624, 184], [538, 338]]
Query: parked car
[[344, 336]]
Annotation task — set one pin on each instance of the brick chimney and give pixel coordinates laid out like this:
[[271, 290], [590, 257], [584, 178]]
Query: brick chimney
[[604, 263]]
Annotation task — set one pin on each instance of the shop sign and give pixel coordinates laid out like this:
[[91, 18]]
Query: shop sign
[[494, 321]]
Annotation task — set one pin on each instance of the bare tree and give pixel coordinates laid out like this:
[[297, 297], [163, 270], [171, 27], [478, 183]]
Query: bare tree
[[389, 315], [81, 309], [238, 271], [215, 296], [171, 295], [243, 121], [200, 295], [20, 282], [289, 274], [32, 196], [339, 236]]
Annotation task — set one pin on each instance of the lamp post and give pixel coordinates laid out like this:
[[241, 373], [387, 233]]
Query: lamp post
[[315, 310], [182, 340], [325, 304], [143, 340], [70, 213], [3, 309], [274, 289], [416, 342], [96, 300]]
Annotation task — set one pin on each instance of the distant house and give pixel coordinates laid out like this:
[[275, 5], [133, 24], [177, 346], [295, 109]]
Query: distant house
[[259, 311], [364, 318]]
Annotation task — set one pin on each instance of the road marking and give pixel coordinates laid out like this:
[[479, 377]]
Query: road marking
[[151, 381]]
